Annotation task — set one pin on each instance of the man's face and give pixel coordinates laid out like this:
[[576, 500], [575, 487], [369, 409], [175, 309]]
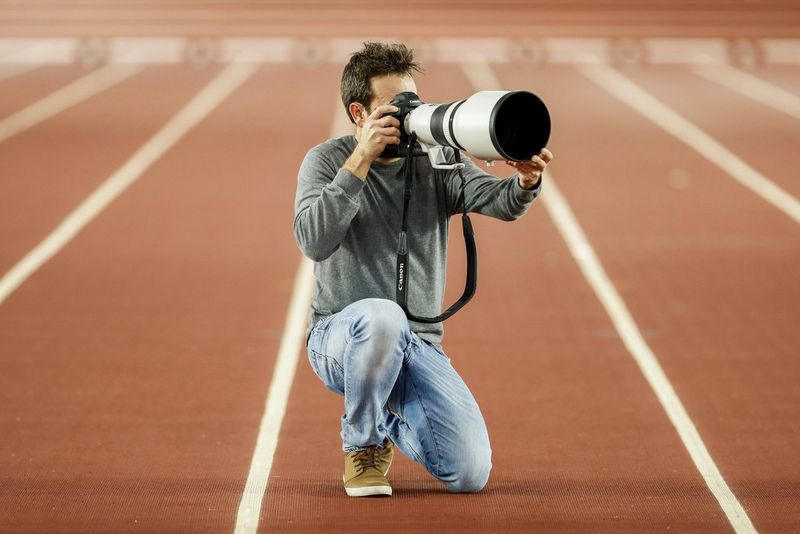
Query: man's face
[[384, 88]]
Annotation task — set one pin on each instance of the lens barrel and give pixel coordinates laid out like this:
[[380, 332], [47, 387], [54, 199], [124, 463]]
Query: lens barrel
[[490, 125]]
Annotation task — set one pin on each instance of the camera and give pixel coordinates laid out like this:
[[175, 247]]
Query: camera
[[490, 125]]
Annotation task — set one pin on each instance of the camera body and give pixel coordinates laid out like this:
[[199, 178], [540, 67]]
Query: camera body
[[406, 102], [490, 125]]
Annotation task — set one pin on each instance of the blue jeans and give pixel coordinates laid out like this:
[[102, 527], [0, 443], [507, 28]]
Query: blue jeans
[[398, 386]]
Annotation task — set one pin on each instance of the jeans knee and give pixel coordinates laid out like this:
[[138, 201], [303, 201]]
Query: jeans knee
[[471, 478], [381, 318]]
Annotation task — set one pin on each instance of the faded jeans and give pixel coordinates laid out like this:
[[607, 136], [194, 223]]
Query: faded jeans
[[398, 386]]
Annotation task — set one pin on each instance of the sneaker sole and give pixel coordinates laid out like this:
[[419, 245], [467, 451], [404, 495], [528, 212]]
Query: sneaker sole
[[366, 491], [369, 491]]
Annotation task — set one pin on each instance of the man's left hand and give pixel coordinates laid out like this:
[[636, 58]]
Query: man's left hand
[[530, 172]]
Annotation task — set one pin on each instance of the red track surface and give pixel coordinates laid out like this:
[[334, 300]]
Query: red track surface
[[135, 363], [321, 18]]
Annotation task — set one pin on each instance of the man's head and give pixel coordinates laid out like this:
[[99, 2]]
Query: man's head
[[374, 75]]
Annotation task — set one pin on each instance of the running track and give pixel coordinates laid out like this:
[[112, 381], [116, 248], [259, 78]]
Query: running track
[[137, 359]]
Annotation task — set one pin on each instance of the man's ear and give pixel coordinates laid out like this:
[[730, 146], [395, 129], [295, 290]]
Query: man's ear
[[358, 113]]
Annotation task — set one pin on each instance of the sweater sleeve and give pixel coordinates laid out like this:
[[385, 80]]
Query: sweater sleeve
[[326, 201], [486, 194]]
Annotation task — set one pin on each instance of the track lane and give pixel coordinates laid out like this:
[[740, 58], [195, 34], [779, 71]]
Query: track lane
[[50, 169], [22, 89], [137, 360], [784, 76], [752, 87], [10, 70], [702, 264], [579, 440], [762, 136]]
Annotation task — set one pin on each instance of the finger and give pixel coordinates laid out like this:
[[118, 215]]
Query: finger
[[388, 120], [391, 131], [539, 163], [380, 111], [521, 164], [546, 155], [389, 140], [525, 168]]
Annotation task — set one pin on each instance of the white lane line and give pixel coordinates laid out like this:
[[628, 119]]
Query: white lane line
[[292, 341], [69, 95], [751, 86], [9, 71], [631, 94], [37, 50], [615, 307], [555, 50], [197, 109], [282, 378]]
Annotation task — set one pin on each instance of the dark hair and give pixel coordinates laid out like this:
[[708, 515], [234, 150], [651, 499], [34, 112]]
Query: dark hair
[[374, 59]]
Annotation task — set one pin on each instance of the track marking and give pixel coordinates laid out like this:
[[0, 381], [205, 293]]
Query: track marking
[[38, 51], [615, 307], [69, 95], [751, 86], [196, 110], [9, 71], [781, 51], [481, 76], [634, 96], [686, 51], [249, 512], [556, 50]]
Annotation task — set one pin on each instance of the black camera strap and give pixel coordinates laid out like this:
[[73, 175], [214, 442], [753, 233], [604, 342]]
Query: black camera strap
[[403, 265]]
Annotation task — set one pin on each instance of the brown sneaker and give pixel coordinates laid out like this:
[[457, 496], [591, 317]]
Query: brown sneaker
[[365, 471]]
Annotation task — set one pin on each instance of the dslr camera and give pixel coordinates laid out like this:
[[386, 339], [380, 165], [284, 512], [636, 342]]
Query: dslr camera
[[489, 125]]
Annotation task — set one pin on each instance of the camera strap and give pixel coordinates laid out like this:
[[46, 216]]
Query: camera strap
[[403, 265]]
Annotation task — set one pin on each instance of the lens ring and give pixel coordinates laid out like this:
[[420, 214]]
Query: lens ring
[[519, 125]]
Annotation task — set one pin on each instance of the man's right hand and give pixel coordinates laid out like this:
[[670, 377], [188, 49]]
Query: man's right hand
[[379, 130]]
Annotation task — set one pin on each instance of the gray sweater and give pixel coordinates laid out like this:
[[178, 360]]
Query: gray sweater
[[349, 227]]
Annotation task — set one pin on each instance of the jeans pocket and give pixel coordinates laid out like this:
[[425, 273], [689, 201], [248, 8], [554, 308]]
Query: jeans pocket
[[318, 332], [328, 371]]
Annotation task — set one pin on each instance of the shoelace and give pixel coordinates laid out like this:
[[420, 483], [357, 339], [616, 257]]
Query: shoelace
[[367, 458]]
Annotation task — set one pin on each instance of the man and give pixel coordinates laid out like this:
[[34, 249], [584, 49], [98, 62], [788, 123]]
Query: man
[[399, 387]]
